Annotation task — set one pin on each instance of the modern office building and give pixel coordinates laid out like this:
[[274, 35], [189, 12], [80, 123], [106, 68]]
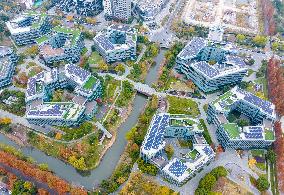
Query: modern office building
[[185, 163], [117, 9], [41, 111], [261, 114], [117, 43], [148, 9], [62, 44], [81, 7], [28, 26], [8, 61], [208, 66]]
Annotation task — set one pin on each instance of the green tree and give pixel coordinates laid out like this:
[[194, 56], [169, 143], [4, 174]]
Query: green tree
[[240, 38], [262, 184], [208, 182], [271, 156], [120, 68], [219, 171], [169, 151], [243, 122], [259, 40], [275, 46], [103, 66]]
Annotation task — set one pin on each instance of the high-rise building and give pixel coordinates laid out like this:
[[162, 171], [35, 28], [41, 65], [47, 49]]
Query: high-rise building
[[117, 9], [82, 7]]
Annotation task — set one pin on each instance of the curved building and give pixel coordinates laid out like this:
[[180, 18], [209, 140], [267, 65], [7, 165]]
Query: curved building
[[208, 66]]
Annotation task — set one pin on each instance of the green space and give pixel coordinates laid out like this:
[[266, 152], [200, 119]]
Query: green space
[[205, 133], [185, 143], [130, 155], [182, 106], [95, 58], [126, 94], [269, 135], [74, 133], [232, 129], [90, 83], [41, 39], [193, 154], [17, 107], [223, 97], [110, 85]]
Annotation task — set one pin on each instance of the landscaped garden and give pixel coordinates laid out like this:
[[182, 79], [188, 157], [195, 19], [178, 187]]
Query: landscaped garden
[[182, 106]]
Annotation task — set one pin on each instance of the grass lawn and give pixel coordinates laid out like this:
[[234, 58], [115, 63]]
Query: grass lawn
[[95, 58], [259, 153], [185, 143], [232, 129], [193, 154], [260, 166], [182, 106], [263, 81], [250, 71], [90, 83]]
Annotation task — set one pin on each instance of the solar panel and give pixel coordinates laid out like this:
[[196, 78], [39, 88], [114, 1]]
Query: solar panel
[[193, 47], [104, 42], [206, 69], [178, 168]]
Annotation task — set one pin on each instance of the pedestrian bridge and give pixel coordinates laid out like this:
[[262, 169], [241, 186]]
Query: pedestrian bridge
[[144, 89]]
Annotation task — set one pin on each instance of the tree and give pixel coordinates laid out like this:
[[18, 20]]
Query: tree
[[219, 171], [271, 156], [169, 151], [275, 46], [103, 66], [240, 38], [208, 182], [120, 68], [243, 122], [259, 40], [262, 184]]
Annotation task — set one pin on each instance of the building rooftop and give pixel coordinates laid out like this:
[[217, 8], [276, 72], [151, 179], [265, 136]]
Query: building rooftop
[[232, 129], [199, 54], [26, 22], [235, 95], [104, 39]]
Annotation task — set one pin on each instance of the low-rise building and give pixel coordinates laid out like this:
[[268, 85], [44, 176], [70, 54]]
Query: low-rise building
[[29, 26], [117, 43], [148, 9], [163, 128], [62, 44], [209, 66], [261, 114], [41, 111], [8, 61]]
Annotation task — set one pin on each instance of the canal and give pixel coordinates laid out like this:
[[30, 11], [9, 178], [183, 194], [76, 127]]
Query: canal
[[104, 170]]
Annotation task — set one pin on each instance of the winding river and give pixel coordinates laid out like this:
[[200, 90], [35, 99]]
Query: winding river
[[92, 178]]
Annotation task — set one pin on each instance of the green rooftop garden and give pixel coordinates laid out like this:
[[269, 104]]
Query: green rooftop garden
[[41, 39], [223, 97], [269, 135], [232, 129], [193, 154], [90, 83], [75, 32]]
